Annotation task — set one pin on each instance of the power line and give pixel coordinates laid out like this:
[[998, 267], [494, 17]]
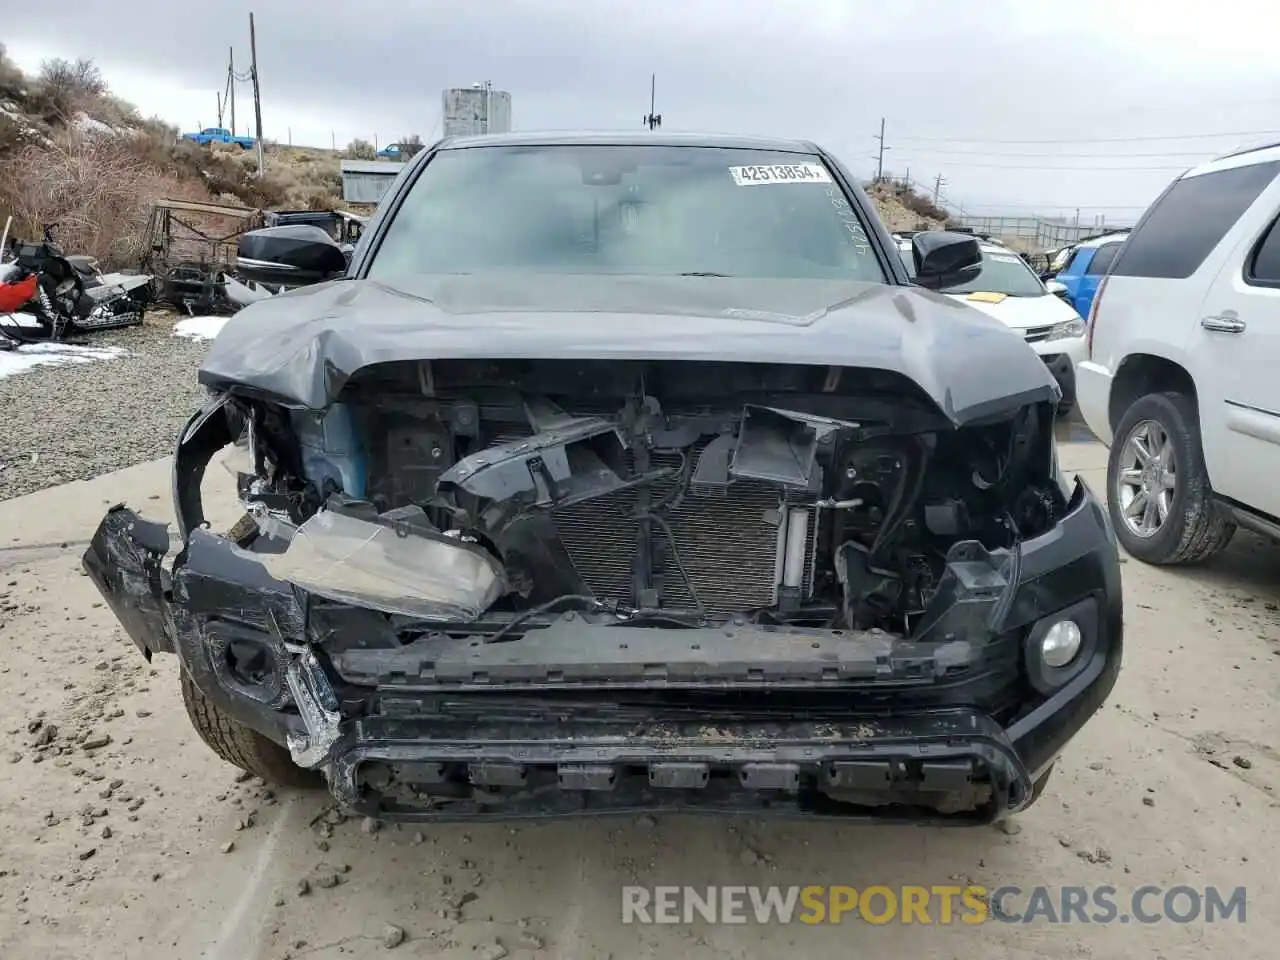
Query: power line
[[1075, 140], [1014, 166], [1057, 206], [1185, 105], [1055, 155]]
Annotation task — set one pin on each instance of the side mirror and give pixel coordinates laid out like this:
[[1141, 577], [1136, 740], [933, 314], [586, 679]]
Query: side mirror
[[289, 256], [1059, 290], [945, 259]]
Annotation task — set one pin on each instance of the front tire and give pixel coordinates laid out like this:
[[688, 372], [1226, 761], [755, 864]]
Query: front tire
[[1158, 489], [242, 746]]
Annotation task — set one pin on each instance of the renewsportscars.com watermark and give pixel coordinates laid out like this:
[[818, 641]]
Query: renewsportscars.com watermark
[[939, 904]]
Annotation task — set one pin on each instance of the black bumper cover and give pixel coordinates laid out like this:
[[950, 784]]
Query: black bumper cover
[[892, 756], [1064, 372]]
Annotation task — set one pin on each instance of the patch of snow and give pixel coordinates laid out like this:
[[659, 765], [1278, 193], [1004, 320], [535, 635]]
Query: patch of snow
[[87, 124], [199, 328], [29, 356]]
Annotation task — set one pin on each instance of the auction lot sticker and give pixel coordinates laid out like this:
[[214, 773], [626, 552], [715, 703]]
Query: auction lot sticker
[[780, 173]]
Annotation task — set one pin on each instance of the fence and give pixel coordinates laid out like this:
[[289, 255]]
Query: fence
[[1044, 234]]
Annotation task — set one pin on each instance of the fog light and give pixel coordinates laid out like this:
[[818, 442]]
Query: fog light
[[1061, 643]]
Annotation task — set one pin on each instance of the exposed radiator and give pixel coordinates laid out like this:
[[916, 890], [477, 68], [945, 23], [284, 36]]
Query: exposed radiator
[[728, 545]]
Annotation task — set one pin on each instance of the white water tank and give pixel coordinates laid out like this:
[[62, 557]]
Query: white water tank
[[469, 111]]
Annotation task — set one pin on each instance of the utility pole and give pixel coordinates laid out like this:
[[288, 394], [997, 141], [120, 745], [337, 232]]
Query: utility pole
[[333, 141], [231, 85], [880, 156], [653, 120], [257, 95], [219, 92], [488, 106], [937, 186]]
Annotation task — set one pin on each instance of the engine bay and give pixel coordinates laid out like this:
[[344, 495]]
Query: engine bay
[[666, 492]]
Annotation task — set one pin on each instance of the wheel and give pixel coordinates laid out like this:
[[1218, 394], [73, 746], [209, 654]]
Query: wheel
[[1158, 490], [241, 746]]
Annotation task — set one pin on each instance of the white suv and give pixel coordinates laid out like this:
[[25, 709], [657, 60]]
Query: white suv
[[1183, 375]]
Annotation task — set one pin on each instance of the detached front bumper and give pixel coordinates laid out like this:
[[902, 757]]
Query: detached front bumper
[[1061, 357], [587, 717]]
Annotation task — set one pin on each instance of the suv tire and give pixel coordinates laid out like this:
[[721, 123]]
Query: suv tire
[[242, 746], [1194, 528]]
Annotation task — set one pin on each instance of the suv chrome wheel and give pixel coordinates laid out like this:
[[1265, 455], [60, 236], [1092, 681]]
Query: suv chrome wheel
[[1146, 480]]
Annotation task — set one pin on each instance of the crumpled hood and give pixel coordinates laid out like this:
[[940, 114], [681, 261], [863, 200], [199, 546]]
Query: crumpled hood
[[300, 348]]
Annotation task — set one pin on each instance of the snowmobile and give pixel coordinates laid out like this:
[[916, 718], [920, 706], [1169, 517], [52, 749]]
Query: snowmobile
[[67, 295]]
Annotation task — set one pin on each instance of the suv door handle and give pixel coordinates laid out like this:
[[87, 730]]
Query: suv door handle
[[1223, 323]]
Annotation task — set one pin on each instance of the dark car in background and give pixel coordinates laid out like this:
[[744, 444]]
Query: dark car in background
[[632, 472]]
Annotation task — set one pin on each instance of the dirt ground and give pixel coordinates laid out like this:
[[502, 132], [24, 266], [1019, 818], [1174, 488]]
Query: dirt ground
[[128, 839]]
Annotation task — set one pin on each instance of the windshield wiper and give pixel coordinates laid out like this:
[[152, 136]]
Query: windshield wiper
[[703, 273]]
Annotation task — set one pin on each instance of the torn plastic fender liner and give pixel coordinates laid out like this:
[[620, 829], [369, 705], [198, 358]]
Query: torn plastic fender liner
[[125, 562], [207, 432]]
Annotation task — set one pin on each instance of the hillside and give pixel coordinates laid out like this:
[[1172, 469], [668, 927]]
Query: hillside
[[902, 208], [73, 154]]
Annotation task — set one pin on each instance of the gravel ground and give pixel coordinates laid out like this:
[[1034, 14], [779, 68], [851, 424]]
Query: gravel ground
[[78, 421]]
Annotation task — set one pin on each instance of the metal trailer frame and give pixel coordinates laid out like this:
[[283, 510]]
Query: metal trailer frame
[[185, 251]]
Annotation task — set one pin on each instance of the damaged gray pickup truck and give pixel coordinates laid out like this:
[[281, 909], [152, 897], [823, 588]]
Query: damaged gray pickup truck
[[623, 473]]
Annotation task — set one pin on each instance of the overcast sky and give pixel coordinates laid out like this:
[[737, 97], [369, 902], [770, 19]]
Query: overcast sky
[[1110, 97]]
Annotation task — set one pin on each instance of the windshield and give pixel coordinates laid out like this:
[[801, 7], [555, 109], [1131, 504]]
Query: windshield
[[639, 210], [1002, 272]]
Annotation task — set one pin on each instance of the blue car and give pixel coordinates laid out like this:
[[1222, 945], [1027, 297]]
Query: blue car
[[1087, 265]]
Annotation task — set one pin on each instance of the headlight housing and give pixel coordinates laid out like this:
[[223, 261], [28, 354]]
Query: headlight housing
[[1069, 328]]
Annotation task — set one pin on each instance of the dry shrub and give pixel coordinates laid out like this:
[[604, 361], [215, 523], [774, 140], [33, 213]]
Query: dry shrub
[[361, 150], [412, 144], [114, 112], [923, 206], [96, 189], [65, 88]]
